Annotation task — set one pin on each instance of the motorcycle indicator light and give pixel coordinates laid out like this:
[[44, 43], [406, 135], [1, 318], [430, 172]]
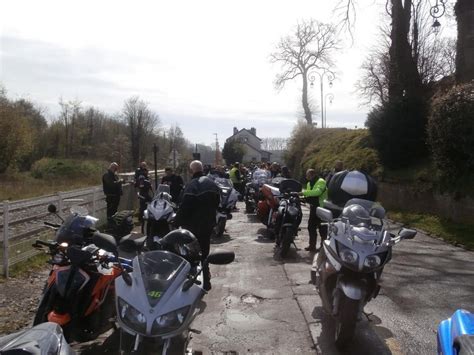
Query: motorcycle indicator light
[[131, 316], [372, 261], [169, 322]]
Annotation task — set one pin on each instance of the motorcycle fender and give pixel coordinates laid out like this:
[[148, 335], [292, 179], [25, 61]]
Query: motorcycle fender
[[353, 289]]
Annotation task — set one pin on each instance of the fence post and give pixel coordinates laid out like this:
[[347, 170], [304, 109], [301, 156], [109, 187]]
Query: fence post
[[60, 203], [94, 201], [6, 209]]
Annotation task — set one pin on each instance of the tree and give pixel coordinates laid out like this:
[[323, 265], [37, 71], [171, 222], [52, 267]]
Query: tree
[[233, 152], [464, 10], [310, 47], [141, 123], [274, 143]]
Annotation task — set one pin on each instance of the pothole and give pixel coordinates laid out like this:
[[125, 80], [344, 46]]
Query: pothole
[[249, 298]]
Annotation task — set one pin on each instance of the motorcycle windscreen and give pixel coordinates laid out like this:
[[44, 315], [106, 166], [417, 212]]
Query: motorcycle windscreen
[[159, 270]]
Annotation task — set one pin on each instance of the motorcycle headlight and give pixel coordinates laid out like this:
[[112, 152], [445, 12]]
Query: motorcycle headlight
[[131, 317], [372, 261], [169, 322], [347, 255]]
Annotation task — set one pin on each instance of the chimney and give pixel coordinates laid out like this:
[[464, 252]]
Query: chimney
[[253, 130], [236, 130]]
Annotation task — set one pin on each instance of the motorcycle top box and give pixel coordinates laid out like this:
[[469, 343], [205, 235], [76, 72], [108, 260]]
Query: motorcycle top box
[[290, 185]]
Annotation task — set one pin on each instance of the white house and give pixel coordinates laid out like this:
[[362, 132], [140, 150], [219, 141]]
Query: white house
[[253, 151]]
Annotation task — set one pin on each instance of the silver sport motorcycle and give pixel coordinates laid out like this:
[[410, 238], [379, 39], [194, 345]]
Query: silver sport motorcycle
[[157, 302], [348, 268]]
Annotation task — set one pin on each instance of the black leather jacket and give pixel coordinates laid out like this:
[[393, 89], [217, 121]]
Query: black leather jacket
[[197, 211]]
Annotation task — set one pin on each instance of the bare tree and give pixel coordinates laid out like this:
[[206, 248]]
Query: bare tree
[[274, 143], [141, 123], [309, 47]]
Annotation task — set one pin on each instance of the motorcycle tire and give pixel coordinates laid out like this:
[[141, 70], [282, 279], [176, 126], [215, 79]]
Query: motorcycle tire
[[249, 208], [345, 321], [286, 240], [44, 306]]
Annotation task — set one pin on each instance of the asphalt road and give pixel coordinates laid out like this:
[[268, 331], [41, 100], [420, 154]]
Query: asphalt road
[[260, 304]]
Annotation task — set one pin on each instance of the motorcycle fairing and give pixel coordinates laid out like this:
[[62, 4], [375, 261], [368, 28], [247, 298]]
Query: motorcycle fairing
[[450, 331]]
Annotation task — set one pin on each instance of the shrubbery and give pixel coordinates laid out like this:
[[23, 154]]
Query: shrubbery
[[451, 131], [66, 168], [398, 131]]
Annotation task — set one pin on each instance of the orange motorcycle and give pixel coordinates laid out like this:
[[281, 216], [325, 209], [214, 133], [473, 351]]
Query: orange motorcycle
[[79, 293]]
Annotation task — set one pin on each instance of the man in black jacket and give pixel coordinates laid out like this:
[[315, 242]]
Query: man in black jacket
[[112, 187], [197, 212], [175, 183]]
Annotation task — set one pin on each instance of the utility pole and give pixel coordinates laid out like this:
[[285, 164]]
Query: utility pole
[[155, 153], [217, 151]]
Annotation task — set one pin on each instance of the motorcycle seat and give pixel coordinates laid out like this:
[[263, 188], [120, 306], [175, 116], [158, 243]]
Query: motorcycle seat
[[132, 243]]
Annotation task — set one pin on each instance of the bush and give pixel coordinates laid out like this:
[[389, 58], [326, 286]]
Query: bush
[[398, 131], [66, 168], [451, 131]]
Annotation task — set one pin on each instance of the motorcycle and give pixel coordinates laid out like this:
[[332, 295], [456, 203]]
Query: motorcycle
[[45, 338], [456, 334], [158, 300], [228, 200], [78, 294], [252, 189], [159, 216], [267, 207], [289, 215], [348, 268]]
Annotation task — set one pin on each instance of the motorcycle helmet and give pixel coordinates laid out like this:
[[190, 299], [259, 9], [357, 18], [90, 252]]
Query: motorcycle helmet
[[76, 229], [346, 185], [356, 215], [183, 243]]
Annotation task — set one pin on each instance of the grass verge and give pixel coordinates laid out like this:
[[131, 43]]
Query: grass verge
[[25, 267], [454, 233]]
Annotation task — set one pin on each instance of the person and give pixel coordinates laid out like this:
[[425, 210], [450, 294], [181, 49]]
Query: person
[[338, 166], [141, 170], [175, 183], [275, 169], [236, 178], [315, 194], [145, 195], [112, 186], [197, 212], [285, 172]]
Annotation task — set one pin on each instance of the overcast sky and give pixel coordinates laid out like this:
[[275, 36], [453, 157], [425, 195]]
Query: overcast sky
[[203, 65]]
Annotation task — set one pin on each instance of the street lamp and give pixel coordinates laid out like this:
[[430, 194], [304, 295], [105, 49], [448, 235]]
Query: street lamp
[[330, 77], [436, 11], [331, 97]]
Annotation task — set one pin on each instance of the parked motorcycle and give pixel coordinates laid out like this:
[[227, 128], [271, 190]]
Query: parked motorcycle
[[252, 189], [348, 268], [78, 294], [289, 215], [267, 207], [159, 217], [46, 338], [157, 302], [456, 334], [228, 199]]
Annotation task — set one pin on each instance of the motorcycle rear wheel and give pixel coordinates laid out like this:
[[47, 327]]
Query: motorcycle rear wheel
[[345, 321]]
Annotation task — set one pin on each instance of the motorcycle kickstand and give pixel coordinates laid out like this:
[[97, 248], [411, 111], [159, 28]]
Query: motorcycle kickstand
[[295, 245], [367, 315]]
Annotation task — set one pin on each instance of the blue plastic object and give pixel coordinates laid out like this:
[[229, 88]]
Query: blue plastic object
[[450, 330]]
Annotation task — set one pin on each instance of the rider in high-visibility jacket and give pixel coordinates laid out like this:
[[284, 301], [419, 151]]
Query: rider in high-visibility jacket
[[315, 193]]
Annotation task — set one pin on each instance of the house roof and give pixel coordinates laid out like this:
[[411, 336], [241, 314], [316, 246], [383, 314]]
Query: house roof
[[247, 130]]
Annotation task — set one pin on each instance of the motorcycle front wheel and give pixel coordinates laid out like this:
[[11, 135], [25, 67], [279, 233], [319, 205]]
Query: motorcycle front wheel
[[285, 242], [345, 321]]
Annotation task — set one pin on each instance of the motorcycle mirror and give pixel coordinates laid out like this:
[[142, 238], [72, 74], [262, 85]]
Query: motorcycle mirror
[[324, 214], [105, 241], [52, 208], [406, 233], [221, 257]]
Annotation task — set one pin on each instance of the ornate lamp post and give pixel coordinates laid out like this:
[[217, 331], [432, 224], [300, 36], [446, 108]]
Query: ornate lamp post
[[330, 77], [436, 11], [329, 96]]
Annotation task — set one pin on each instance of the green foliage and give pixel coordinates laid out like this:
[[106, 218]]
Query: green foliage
[[398, 131], [49, 168], [453, 232], [233, 152], [319, 149], [451, 131]]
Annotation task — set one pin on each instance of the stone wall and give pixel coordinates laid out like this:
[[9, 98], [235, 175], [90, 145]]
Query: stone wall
[[407, 197]]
